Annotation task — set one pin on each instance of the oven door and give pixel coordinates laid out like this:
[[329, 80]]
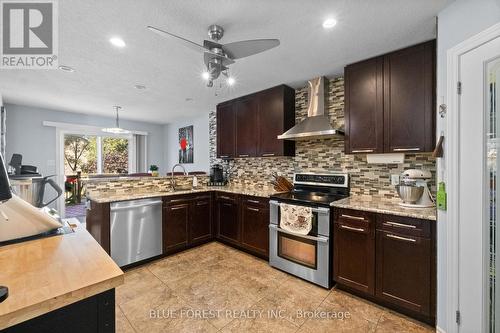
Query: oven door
[[305, 256]]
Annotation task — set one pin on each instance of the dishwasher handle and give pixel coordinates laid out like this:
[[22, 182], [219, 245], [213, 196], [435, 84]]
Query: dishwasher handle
[[147, 204]]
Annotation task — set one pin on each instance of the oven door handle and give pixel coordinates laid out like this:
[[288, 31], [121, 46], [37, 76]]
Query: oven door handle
[[320, 239], [320, 210]]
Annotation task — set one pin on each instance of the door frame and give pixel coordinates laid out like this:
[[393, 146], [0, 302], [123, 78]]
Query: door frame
[[452, 170]]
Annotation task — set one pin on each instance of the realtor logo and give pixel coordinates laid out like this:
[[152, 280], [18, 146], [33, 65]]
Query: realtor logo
[[29, 34]]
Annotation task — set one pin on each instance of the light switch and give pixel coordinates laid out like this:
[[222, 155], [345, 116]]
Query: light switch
[[395, 179]]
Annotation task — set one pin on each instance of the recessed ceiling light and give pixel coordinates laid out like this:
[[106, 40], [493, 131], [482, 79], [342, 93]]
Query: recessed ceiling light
[[329, 23], [230, 81], [188, 99], [66, 69], [117, 41], [205, 75], [140, 87]]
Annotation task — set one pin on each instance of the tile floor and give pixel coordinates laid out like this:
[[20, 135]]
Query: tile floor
[[217, 288]]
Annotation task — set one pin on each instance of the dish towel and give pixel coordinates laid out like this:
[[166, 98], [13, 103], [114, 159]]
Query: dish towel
[[296, 219]]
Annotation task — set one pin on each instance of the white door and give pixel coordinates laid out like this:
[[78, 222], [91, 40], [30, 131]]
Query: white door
[[479, 72]]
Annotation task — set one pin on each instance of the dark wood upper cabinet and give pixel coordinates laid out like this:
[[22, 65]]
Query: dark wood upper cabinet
[[354, 250], [200, 224], [276, 116], [255, 225], [175, 226], [364, 116], [226, 139], [390, 102], [409, 99], [248, 126]]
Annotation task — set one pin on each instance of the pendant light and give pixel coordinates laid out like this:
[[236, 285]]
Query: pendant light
[[117, 129]]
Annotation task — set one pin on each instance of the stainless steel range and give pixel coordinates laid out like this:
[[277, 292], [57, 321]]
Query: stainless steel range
[[308, 256]]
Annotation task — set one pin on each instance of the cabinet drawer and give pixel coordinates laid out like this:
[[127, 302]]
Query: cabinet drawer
[[255, 201], [404, 225], [357, 218], [226, 196]]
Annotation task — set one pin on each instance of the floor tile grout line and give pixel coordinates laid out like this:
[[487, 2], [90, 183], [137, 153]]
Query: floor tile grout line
[[128, 320]]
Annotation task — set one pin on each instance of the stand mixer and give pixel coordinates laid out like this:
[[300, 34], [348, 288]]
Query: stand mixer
[[414, 189]]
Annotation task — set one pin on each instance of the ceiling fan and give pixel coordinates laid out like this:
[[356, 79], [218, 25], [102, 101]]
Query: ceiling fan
[[218, 56]]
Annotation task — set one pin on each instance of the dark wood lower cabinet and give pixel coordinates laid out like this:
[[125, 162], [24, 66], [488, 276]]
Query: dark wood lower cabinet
[[98, 223], [255, 225], [354, 253], [175, 225], [228, 222], [200, 223], [93, 314], [397, 268]]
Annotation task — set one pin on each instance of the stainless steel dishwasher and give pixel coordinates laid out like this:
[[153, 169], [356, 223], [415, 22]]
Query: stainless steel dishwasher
[[136, 230]]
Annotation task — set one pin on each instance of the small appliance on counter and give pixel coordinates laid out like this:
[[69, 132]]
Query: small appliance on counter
[[414, 189], [217, 176], [18, 170]]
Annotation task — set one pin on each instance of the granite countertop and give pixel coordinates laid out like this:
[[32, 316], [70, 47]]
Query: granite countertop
[[110, 196], [385, 206], [50, 273]]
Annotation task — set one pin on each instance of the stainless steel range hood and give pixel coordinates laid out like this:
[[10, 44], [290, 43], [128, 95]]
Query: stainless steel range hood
[[317, 124]]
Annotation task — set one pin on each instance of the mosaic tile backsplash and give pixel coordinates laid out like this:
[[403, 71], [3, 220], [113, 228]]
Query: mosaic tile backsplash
[[325, 155]]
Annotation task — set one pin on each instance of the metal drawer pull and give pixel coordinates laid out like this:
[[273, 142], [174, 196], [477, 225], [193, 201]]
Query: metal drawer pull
[[394, 224], [317, 239], [353, 217], [253, 201], [224, 156], [351, 228], [254, 209], [362, 151], [401, 238], [268, 154], [243, 155], [406, 149], [225, 198], [177, 208]]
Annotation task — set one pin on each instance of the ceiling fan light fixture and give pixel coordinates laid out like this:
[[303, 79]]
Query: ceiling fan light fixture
[[117, 41], [230, 81], [329, 23]]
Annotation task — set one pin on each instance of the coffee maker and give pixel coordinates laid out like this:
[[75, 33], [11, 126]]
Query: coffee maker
[[217, 175]]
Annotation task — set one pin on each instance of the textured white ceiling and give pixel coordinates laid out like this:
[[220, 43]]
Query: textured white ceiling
[[105, 76]]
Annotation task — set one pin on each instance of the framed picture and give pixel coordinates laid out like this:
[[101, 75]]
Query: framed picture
[[186, 144]]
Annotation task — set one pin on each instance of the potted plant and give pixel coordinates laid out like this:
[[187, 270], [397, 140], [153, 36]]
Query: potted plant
[[154, 170]]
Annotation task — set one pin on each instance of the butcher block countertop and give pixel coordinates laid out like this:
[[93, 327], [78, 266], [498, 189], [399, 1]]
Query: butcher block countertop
[[383, 206], [46, 274]]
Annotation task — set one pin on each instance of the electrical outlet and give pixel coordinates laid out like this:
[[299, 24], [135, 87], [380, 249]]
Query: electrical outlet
[[395, 179]]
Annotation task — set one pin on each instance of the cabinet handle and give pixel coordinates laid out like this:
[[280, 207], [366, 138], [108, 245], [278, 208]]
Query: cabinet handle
[[401, 238], [176, 208], [268, 154], [395, 224], [243, 155], [406, 149], [362, 151], [175, 200], [227, 204], [353, 217], [253, 201], [202, 203], [351, 228], [224, 156], [225, 198], [254, 209]]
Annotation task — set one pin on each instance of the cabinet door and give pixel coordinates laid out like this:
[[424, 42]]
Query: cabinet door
[[354, 256], [404, 271], [200, 229], [228, 227], [246, 127], [409, 95], [276, 116], [255, 226], [175, 226], [226, 144], [364, 113]]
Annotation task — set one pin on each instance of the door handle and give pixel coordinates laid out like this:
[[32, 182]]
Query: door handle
[[395, 224], [401, 238], [362, 151], [406, 149], [253, 209], [352, 228], [353, 217]]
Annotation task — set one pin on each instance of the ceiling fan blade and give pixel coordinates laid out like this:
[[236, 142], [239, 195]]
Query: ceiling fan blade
[[187, 42], [247, 48]]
